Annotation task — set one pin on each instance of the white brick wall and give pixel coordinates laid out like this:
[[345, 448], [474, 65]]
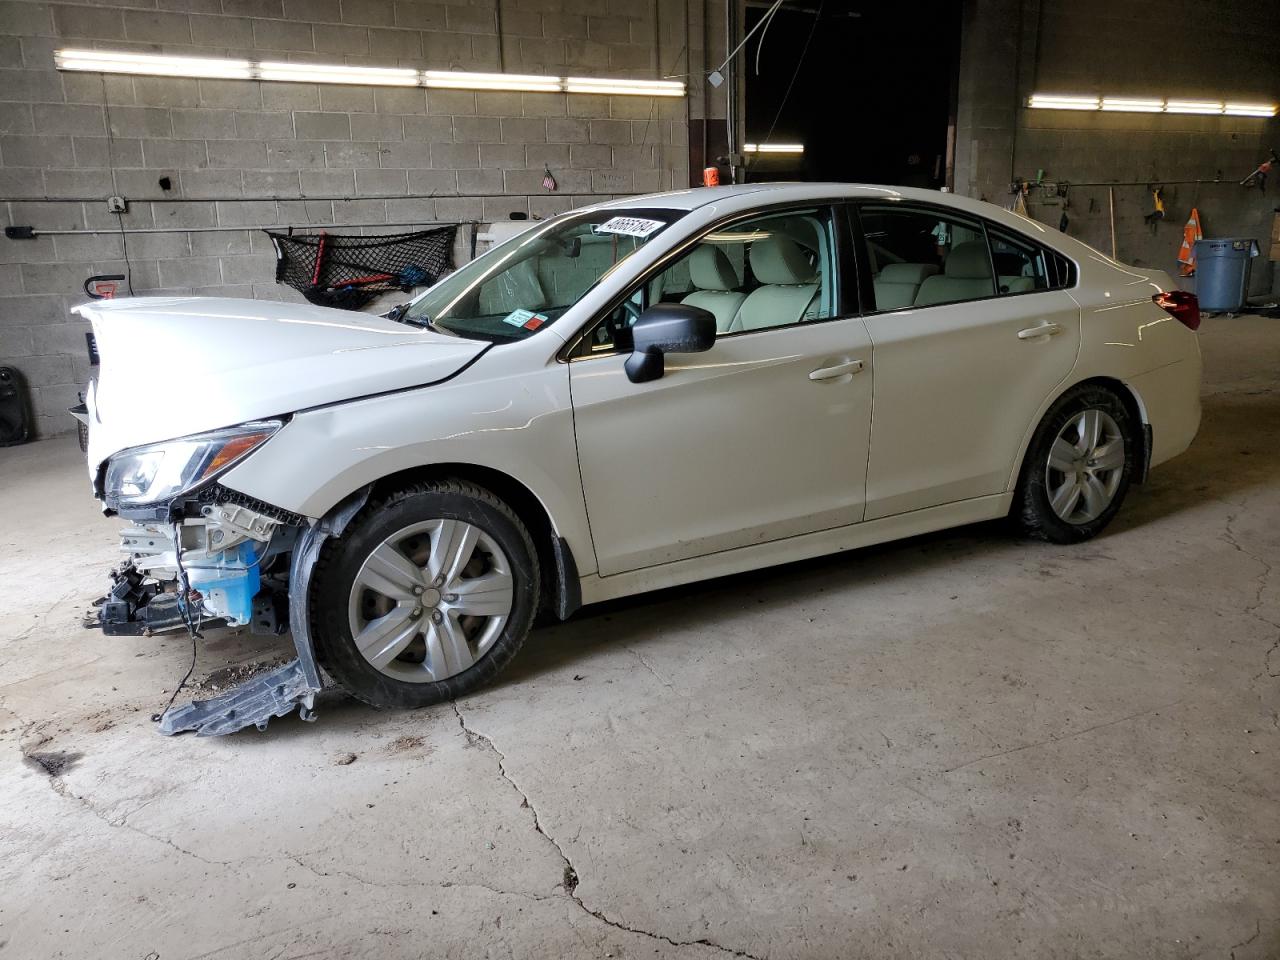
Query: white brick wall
[[250, 155]]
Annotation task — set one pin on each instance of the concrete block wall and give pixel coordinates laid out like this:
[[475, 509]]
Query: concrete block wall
[[1179, 49], [247, 154]]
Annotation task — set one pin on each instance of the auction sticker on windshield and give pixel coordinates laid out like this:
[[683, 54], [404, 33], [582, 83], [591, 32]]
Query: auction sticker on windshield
[[630, 226], [525, 319]]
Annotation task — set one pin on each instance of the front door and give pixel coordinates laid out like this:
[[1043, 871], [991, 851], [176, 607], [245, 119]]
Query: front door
[[765, 436]]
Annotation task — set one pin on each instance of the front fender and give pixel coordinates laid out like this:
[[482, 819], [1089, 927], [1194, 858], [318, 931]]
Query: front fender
[[520, 426]]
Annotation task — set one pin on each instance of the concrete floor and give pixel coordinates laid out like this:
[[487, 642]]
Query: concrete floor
[[958, 746]]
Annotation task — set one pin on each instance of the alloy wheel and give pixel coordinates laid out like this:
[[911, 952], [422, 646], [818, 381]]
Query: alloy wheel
[[1085, 466], [431, 600]]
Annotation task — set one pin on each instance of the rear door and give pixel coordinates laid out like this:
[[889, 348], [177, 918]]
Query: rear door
[[961, 371], [764, 436]]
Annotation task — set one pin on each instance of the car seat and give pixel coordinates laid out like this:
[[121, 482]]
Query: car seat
[[965, 276], [715, 283], [789, 285], [897, 284]]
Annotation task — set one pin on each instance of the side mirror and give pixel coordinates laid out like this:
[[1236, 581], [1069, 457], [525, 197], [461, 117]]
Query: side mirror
[[667, 328]]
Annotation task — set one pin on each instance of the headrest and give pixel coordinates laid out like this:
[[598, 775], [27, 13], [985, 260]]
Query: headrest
[[906, 272], [779, 259], [710, 269], [968, 261]]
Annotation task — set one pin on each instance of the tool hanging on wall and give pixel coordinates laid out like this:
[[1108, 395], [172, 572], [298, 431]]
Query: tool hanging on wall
[[104, 286], [1157, 212], [1259, 176], [1018, 193], [1064, 221]]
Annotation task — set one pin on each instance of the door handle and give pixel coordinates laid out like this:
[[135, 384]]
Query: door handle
[[1043, 330], [839, 370]]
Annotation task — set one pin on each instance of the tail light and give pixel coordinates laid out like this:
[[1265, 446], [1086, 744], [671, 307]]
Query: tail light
[[1182, 306]]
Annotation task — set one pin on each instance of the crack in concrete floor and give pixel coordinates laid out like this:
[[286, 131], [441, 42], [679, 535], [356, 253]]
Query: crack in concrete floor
[[1268, 671], [570, 879]]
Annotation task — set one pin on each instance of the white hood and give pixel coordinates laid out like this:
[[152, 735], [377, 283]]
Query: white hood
[[174, 366]]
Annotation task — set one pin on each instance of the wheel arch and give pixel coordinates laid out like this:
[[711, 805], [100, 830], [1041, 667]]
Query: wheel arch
[[1133, 403], [560, 578]]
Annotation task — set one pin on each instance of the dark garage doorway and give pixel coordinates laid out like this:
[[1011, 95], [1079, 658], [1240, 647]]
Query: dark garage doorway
[[873, 96]]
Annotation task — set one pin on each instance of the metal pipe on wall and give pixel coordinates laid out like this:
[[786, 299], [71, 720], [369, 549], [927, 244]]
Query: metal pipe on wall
[[115, 231], [401, 196], [1111, 202], [731, 86]]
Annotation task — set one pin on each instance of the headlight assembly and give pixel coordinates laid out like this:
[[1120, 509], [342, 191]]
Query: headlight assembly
[[161, 471]]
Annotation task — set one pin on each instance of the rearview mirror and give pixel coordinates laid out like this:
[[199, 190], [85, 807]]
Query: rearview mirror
[[667, 328]]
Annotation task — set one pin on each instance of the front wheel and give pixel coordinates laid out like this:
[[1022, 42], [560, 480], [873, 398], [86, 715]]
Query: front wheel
[[426, 595], [1078, 467]]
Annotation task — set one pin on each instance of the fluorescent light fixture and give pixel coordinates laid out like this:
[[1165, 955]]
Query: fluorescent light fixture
[[639, 88], [1193, 106], [1045, 101], [152, 65], [323, 73], [1250, 110], [459, 80], [1123, 105], [105, 61], [773, 148]]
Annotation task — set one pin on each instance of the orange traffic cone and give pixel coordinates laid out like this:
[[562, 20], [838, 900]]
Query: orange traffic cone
[[1187, 252]]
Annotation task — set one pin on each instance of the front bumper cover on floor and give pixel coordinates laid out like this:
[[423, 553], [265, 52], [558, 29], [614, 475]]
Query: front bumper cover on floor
[[292, 686]]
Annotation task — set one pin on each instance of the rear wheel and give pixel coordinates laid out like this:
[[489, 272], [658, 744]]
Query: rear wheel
[[426, 596], [1078, 467]]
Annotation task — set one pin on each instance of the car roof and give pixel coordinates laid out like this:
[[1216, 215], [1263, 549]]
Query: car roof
[[744, 196], [696, 197]]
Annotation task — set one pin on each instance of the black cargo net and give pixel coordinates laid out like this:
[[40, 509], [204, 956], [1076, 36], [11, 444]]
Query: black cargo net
[[348, 272]]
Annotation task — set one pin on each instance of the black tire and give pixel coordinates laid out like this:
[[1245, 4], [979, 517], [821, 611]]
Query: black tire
[[340, 562], [1032, 512]]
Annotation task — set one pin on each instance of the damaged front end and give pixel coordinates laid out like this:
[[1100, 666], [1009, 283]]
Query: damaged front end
[[198, 555], [207, 559], [225, 551]]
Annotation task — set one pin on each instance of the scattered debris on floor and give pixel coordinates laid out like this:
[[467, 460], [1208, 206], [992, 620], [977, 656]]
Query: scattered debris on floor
[[344, 759], [405, 744], [228, 677]]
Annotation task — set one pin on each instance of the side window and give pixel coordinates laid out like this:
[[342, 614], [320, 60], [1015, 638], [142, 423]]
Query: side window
[[1062, 272], [1021, 267], [775, 270], [924, 257]]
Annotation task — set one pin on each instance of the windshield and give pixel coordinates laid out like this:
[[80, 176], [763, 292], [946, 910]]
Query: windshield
[[530, 281]]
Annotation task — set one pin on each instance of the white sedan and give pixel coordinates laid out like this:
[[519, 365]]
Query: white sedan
[[633, 395]]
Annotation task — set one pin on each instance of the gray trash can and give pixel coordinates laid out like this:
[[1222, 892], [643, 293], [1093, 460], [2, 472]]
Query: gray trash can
[[1222, 272]]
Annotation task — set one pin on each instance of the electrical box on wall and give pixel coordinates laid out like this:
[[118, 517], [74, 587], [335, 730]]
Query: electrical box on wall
[[117, 205]]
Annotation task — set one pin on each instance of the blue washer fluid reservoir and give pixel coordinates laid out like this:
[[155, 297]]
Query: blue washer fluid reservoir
[[230, 585]]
